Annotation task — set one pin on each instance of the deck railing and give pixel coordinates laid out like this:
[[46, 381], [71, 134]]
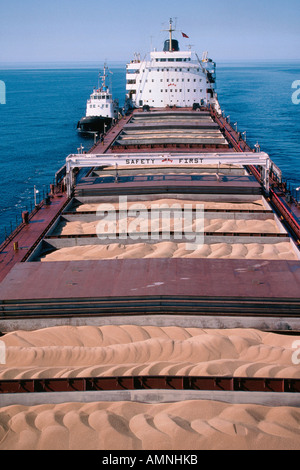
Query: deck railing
[[278, 201]]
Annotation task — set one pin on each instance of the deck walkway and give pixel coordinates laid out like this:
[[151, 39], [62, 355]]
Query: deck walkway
[[184, 292], [29, 234]]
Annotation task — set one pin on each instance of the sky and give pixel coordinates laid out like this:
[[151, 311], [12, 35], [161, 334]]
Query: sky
[[39, 31]]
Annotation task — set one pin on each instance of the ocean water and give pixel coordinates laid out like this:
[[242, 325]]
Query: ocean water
[[38, 122]]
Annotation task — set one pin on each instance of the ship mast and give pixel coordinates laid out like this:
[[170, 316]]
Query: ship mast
[[170, 31], [104, 78]]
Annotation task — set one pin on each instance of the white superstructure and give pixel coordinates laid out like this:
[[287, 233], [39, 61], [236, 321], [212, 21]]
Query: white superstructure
[[171, 78]]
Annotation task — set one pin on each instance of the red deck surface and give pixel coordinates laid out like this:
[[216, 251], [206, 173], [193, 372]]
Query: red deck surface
[[29, 235], [111, 136], [153, 277]]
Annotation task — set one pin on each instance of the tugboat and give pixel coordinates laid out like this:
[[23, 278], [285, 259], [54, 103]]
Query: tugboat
[[101, 109]]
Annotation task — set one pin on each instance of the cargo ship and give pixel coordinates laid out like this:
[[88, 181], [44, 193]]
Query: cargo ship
[[117, 241]]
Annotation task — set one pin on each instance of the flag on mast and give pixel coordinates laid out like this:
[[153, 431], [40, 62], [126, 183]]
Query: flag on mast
[[184, 35]]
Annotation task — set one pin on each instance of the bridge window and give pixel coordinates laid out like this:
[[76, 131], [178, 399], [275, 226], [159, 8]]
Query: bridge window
[[133, 71]]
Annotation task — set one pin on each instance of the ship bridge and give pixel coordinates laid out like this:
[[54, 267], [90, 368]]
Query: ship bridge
[[172, 78], [175, 56]]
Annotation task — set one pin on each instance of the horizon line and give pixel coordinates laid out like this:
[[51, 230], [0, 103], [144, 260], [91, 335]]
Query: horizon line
[[93, 63]]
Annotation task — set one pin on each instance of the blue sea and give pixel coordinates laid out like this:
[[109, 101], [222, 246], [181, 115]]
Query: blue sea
[[43, 105]]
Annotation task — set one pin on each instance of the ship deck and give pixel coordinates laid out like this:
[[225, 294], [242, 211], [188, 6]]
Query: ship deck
[[210, 293], [62, 272], [26, 237]]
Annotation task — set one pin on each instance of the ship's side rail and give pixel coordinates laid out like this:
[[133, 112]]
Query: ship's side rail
[[57, 189], [26, 218], [22, 242], [287, 215], [60, 175], [9, 238], [32, 248], [277, 200]]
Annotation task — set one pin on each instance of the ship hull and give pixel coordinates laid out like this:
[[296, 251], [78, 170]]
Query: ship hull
[[93, 124]]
